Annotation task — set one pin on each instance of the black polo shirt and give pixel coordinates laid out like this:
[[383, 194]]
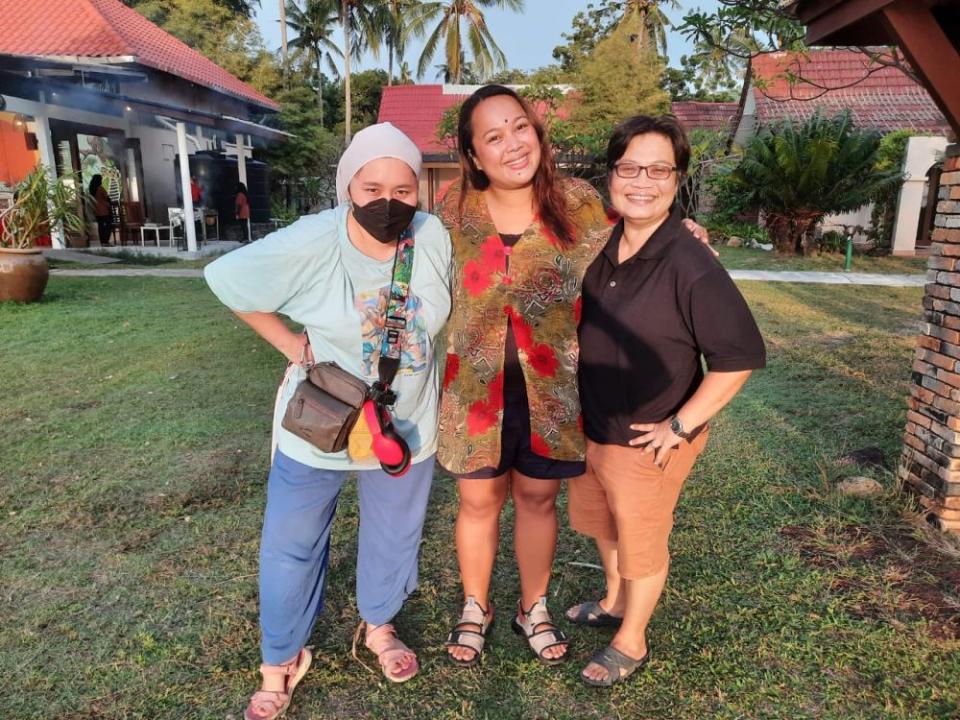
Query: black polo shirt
[[647, 322]]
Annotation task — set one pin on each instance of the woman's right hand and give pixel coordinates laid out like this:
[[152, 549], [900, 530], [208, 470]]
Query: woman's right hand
[[299, 351]]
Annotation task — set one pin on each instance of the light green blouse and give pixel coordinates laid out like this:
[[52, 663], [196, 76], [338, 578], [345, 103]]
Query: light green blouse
[[312, 273]]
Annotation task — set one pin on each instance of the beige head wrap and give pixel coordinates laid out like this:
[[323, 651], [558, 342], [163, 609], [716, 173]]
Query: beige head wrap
[[376, 141]]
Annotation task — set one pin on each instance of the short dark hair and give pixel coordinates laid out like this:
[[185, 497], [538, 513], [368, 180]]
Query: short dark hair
[[666, 125]]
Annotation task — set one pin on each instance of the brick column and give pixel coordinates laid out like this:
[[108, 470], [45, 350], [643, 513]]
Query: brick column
[[930, 462]]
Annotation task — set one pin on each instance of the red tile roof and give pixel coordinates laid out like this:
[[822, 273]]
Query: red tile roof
[[704, 115], [417, 110], [879, 97], [109, 29]]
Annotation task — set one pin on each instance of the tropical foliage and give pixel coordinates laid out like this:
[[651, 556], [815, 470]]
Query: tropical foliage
[[597, 22], [313, 25], [460, 26], [42, 205], [606, 97], [798, 172]]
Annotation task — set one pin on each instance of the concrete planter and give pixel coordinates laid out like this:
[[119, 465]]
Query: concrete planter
[[23, 274]]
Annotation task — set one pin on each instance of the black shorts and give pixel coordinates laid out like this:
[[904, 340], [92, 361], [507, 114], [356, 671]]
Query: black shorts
[[515, 451]]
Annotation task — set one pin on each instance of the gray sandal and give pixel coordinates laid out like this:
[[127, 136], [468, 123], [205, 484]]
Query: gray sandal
[[592, 614], [618, 666], [540, 640], [462, 636]]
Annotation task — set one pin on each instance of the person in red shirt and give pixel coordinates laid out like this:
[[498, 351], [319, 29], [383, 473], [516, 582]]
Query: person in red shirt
[[196, 192], [242, 212]]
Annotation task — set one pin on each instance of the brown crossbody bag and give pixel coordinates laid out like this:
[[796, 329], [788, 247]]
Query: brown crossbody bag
[[326, 405]]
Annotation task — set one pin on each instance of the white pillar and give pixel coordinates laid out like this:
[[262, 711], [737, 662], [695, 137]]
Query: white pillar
[[189, 229], [921, 154], [49, 160], [241, 159]]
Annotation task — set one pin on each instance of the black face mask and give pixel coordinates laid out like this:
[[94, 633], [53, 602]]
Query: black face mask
[[384, 219]]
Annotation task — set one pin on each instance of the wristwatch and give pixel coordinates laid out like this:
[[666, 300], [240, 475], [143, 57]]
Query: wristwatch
[[677, 428]]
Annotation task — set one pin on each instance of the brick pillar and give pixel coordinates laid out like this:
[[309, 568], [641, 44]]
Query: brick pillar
[[930, 462]]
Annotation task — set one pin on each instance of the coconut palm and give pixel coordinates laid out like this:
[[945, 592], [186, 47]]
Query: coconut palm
[[713, 57], [460, 24], [652, 19], [358, 20], [314, 26], [798, 172], [393, 20]]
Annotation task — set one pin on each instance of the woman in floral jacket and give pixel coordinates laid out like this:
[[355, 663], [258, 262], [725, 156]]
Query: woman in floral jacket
[[510, 415]]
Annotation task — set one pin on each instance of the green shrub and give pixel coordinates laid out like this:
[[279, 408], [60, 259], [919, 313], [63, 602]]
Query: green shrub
[[833, 241]]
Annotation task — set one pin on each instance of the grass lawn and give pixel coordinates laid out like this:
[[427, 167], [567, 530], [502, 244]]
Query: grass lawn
[[752, 259], [132, 464]]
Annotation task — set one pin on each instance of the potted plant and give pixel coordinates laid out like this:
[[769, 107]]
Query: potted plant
[[39, 207]]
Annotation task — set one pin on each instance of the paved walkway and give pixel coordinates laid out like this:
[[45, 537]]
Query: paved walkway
[[827, 278]]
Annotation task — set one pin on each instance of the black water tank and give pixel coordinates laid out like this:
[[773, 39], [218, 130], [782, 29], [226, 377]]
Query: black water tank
[[218, 176]]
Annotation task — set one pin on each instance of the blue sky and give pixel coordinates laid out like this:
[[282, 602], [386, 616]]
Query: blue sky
[[527, 40]]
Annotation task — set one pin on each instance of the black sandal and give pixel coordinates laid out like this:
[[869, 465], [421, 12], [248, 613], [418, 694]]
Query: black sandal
[[593, 615], [540, 640], [462, 636], [618, 666]]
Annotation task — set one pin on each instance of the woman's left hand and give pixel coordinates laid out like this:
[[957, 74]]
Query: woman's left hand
[[655, 437], [700, 233]]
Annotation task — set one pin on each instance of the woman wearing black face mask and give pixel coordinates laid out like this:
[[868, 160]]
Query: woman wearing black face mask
[[333, 272]]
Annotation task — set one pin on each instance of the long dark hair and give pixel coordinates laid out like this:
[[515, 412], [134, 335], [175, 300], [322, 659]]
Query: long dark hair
[[96, 182], [551, 204], [241, 188]]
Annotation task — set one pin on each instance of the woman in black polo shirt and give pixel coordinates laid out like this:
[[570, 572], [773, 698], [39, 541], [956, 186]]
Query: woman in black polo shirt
[[654, 302]]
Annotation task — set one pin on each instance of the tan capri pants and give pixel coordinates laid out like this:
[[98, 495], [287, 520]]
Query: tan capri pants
[[624, 497]]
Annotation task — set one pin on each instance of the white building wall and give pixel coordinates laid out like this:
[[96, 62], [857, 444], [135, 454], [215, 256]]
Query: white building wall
[[922, 153]]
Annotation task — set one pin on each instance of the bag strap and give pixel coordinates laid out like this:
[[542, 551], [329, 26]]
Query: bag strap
[[395, 321]]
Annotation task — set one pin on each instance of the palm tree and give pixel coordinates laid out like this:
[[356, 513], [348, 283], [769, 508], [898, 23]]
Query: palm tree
[[450, 17], [653, 21], [712, 54], [358, 19], [313, 26], [392, 19], [797, 172]]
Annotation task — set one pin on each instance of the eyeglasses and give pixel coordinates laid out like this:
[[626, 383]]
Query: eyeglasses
[[657, 171]]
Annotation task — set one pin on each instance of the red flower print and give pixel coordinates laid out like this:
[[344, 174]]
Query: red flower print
[[539, 445], [580, 423], [542, 359], [480, 417], [577, 310], [451, 370], [475, 278], [493, 255], [495, 391], [521, 329], [613, 217]]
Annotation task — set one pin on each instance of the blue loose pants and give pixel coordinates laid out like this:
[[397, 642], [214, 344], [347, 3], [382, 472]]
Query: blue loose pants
[[301, 503]]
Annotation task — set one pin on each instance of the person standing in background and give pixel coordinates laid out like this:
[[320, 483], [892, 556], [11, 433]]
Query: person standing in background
[[196, 192], [101, 209], [242, 212]]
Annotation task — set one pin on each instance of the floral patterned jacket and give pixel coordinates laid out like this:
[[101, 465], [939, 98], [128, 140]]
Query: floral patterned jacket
[[541, 295]]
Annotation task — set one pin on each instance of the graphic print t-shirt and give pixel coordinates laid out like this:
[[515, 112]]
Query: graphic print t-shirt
[[312, 273]]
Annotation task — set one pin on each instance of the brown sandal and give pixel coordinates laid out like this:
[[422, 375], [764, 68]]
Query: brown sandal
[[270, 704]]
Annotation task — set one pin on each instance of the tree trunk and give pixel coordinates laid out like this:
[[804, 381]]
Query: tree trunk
[[347, 106], [283, 33], [788, 232], [389, 62], [319, 88]]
